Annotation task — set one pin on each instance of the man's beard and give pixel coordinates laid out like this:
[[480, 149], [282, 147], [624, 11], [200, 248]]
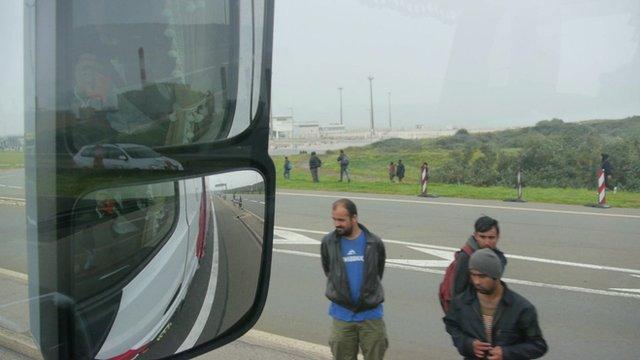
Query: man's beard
[[344, 231], [485, 291]]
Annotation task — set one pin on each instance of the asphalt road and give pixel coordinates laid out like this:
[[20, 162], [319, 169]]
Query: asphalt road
[[579, 266], [233, 294]]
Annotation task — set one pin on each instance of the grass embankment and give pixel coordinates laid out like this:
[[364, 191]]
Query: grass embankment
[[369, 175], [11, 159]]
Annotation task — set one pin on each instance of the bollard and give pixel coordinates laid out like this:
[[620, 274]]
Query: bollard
[[602, 192], [519, 188], [424, 183]]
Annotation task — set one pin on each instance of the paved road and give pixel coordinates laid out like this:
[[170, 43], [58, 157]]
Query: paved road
[[580, 311], [231, 299]]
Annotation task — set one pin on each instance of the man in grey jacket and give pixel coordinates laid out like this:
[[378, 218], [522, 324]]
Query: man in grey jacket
[[353, 261]]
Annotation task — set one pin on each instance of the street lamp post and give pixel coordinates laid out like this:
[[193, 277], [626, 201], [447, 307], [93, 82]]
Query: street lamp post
[[340, 89], [373, 131], [389, 110]]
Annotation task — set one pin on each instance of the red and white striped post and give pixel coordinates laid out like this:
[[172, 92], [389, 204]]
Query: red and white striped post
[[602, 190], [424, 181]]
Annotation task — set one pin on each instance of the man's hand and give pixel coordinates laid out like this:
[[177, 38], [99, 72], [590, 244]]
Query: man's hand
[[495, 353], [480, 348]]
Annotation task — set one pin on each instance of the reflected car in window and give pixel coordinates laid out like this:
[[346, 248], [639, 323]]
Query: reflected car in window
[[123, 156]]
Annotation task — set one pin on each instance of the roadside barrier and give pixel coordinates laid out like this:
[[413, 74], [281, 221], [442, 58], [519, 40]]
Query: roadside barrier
[[424, 185], [602, 191], [519, 188]]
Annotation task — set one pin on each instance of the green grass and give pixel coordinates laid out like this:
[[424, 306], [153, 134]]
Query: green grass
[[371, 177], [11, 159]]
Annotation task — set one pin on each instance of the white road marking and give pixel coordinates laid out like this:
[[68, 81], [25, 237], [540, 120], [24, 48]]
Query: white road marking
[[508, 280], [292, 238], [518, 257], [638, 276], [420, 263], [14, 275], [427, 202], [207, 305], [626, 289], [11, 186]]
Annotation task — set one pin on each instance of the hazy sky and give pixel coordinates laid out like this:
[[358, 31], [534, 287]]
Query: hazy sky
[[484, 63]]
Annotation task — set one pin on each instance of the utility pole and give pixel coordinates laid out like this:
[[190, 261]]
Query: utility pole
[[340, 89], [389, 110], [373, 131]]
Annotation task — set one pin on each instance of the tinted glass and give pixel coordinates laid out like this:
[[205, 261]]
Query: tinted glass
[[116, 230], [156, 73]]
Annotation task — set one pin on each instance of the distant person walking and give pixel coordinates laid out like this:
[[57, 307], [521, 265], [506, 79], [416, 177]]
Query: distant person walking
[[391, 170], [314, 164], [343, 159], [400, 171], [608, 172], [353, 260], [287, 168], [491, 321]]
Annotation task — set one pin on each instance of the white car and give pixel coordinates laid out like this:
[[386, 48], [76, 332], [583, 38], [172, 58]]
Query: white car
[[123, 156]]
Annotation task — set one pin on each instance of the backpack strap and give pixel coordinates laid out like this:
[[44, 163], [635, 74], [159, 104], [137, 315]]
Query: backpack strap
[[467, 249]]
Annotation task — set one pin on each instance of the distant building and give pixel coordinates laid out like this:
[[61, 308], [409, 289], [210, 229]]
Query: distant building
[[12, 143], [332, 130], [282, 127], [309, 130]]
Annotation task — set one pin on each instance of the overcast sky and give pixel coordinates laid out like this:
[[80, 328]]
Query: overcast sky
[[477, 64]]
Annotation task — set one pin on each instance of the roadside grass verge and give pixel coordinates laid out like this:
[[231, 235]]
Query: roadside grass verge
[[11, 159], [374, 180]]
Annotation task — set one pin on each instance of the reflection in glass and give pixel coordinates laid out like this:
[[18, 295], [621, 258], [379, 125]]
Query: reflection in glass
[[160, 268], [154, 73]]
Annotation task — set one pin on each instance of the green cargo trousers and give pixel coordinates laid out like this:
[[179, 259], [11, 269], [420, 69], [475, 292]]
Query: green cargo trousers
[[369, 335]]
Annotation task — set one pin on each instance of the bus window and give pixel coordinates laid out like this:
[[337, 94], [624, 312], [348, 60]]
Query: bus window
[[117, 230], [157, 73]]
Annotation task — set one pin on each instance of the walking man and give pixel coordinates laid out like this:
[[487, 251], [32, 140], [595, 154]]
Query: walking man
[[314, 164], [353, 261], [606, 166], [400, 171], [343, 159], [287, 168], [491, 321], [485, 236]]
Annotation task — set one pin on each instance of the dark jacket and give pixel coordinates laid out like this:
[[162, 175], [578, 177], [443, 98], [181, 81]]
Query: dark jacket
[[371, 292], [515, 326], [400, 170], [314, 162], [461, 279]]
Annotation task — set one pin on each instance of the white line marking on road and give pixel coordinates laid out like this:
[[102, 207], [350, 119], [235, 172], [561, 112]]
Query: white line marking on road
[[508, 280], [14, 275], [518, 257], [207, 305], [446, 255], [638, 276], [420, 263], [626, 289], [292, 238], [426, 202]]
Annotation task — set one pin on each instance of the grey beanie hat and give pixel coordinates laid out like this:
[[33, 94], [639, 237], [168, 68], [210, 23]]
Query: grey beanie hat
[[487, 262]]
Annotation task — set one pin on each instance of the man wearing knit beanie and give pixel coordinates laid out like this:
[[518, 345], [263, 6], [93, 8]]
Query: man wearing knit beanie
[[508, 320]]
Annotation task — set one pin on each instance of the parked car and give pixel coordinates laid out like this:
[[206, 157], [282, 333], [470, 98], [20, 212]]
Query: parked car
[[123, 156]]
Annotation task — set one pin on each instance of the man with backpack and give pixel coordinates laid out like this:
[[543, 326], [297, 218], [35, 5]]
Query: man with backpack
[[400, 171], [287, 168], [343, 159], [456, 278]]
